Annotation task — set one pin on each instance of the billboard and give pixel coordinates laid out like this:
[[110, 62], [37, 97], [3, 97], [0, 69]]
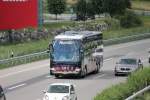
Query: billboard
[[17, 14]]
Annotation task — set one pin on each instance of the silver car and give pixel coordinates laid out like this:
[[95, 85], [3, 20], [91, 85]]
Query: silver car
[[127, 65]]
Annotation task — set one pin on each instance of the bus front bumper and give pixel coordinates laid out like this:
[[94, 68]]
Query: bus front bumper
[[75, 72]]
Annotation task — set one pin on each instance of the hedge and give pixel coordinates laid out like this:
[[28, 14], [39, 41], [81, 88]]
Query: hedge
[[135, 82]]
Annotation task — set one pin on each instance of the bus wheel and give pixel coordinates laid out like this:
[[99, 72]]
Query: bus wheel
[[98, 68], [57, 76], [83, 73]]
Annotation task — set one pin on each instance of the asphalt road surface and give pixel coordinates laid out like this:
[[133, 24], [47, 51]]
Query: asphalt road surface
[[26, 82]]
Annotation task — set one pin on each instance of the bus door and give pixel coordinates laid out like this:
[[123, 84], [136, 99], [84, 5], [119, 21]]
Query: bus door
[[92, 63]]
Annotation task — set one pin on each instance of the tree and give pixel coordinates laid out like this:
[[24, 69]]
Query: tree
[[81, 10], [56, 6], [115, 7], [90, 11], [128, 3], [97, 6]]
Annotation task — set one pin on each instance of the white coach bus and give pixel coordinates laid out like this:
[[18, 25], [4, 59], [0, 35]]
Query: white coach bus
[[73, 53]]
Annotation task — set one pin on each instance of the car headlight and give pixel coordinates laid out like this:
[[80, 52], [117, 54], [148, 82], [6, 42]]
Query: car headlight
[[65, 98], [46, 97]]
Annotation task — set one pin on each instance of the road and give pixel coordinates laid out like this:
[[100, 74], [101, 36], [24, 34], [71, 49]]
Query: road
[[26, 82]]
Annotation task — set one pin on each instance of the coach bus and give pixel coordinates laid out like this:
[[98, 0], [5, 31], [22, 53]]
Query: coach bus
[[71, 53]]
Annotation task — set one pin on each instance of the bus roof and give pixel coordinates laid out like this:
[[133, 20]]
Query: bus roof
[[78, 35]]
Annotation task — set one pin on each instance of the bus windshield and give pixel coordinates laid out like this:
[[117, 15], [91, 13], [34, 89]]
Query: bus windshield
[[66, 51]]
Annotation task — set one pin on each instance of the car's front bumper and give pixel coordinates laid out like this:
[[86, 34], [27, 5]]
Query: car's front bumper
[[121, 72]]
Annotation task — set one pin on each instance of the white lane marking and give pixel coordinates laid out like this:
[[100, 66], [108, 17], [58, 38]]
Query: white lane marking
[[99, 76], [108, 59], [38, 99], [13, 73], [130, 54], [48, 76], [11, 88]]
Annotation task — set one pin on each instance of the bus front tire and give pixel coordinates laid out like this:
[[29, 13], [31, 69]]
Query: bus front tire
[[97, 68], [83, 73]]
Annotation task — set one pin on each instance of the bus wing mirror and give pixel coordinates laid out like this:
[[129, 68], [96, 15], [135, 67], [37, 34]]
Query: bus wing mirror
[[44, 91], [81, 51], [50, 47]]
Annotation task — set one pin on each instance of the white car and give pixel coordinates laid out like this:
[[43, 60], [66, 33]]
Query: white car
[[60, 91]]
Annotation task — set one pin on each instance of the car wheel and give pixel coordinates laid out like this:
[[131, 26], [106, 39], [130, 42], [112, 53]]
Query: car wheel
[[116, 74], [3, 98], [76, 98]]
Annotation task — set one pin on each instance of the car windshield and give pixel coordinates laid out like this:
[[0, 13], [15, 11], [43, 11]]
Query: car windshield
[[128, 61], [58, 89], [66, 50]]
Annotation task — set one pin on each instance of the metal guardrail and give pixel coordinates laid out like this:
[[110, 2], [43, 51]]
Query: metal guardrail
[[24, 59], [138, 93], [41, 55], [126, 39], [142, 12]]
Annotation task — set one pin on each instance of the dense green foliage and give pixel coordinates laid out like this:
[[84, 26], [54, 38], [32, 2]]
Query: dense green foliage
[[135, 82], [81, 9], [115, 8], [88, 8], [56, 6], [130, 20], [97, 6]]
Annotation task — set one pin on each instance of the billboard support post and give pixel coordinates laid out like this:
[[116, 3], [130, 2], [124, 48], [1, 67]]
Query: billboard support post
[[40, 13]]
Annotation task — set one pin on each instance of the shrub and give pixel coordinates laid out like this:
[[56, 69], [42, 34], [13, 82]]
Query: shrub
[[140, 79], [130, 20], [135, 82], [112, 23]]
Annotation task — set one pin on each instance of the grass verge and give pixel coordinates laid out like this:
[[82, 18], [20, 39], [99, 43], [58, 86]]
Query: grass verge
[[141, 5], [134, 83], [23, 48]]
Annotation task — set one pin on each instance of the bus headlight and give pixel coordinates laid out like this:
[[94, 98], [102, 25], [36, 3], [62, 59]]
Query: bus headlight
[[77, 69]]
